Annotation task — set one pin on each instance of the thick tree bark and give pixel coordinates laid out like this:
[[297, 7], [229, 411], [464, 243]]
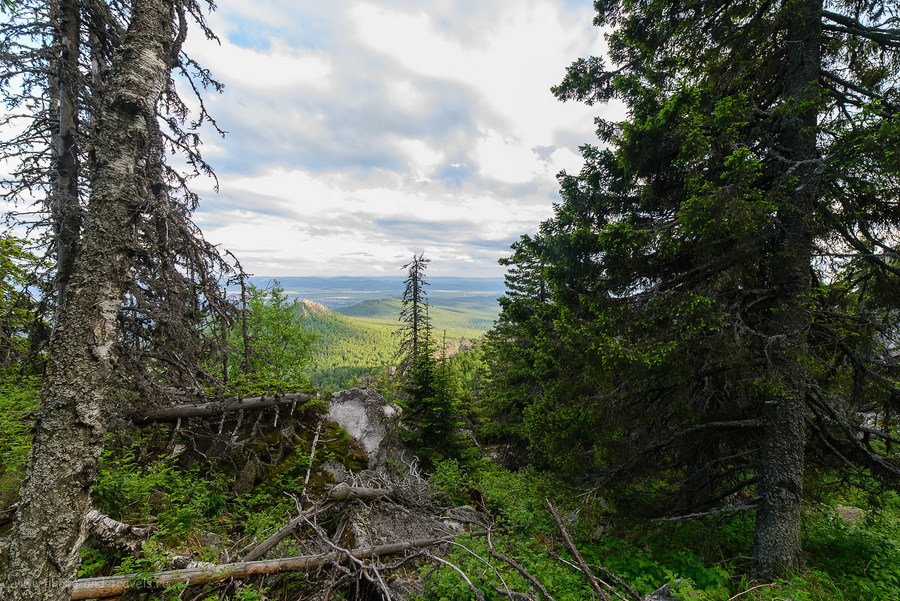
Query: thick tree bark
[[70, 426], [781, 462]]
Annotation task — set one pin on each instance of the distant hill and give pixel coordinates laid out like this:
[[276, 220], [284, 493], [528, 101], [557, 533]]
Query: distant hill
[[359, 339], [347, 347], [339, 292], [458, 320]]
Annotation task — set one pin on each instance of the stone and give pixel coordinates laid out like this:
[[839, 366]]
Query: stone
[[368, 418], [663, 593]]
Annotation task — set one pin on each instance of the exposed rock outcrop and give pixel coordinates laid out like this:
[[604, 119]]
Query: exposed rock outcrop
[[370, 419]]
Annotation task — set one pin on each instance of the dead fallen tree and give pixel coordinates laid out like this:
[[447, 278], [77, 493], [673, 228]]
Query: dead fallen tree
[[106, 531], [115, 534], [113, 586], [341, 492], [177, 412]]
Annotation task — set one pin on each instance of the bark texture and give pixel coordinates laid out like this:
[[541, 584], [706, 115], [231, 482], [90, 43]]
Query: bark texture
[[777, 531], [71, 422], [176, 412], [67, 213]]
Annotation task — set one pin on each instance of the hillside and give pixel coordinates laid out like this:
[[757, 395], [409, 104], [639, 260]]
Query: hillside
[[359, 339], [458, 320], [347, 347], [340, 292]]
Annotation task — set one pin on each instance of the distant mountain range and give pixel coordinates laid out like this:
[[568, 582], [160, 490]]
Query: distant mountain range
[[343, 291]]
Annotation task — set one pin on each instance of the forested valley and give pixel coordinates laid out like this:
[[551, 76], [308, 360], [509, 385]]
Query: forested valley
[[691, 390]]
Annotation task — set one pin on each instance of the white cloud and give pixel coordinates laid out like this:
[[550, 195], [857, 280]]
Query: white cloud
[[505, 158], [278, 68], [422, 158], [365, 131], [511, 70]]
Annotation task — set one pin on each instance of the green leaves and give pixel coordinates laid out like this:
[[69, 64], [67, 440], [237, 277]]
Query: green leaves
[[277, 351]]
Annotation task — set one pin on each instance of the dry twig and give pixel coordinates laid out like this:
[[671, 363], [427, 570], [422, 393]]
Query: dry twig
[[582, 565]]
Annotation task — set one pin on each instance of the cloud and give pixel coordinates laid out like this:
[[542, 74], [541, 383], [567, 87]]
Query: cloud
[[360, 132]]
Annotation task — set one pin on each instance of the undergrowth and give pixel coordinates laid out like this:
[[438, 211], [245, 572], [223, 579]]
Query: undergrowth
[[850, 540], [18, 400], [847, 559]]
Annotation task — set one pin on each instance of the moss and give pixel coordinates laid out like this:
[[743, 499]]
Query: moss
[[356, 459]]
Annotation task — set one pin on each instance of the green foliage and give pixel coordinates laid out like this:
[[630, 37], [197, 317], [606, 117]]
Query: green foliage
[[22, 329], [347, 348], [278, 350], [18, 400], [728, 249], [360, 340], [459, 320], [138, 483], [855, 559], [861, 553], [432, 417]]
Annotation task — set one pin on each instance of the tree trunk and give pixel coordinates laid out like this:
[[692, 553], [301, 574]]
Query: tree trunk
[[66, 211], [176, 412], [777, 532], [71, 421]]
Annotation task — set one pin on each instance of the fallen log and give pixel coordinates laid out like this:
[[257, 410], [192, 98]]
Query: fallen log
[[341, 492], [102, 528], [345, 492], [113, 586], [582, 565], [282, 533], [115, 534], [176, 412]]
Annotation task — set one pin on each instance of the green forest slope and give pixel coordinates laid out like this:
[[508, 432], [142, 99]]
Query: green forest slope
[[460, 320], [360, 340]]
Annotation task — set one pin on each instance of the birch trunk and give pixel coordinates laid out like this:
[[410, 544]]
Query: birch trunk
[[68, 436]]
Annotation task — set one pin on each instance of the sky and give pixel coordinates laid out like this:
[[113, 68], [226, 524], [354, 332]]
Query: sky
[[361, 132]]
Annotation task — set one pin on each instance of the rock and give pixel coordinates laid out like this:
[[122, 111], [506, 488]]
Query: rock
[[246, 478], [368, 418], [851, 514], [462, 519], [663, 593], [340, 473]]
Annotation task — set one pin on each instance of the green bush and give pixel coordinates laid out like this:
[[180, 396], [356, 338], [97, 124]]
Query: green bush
[[18, 399]]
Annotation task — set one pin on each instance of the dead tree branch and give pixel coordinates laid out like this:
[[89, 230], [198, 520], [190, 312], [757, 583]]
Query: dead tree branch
[[111, 586], [115, 534], [582, 565], [175, 412], [345, 492], [519, 568], [283, 532]]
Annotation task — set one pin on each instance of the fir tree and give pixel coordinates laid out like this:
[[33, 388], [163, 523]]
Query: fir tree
[[719, 323]]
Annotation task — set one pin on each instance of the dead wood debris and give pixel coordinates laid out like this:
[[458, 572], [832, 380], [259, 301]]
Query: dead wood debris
[[345, 567], [111, 586]]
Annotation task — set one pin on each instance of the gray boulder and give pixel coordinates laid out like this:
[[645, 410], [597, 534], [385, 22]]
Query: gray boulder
[[370, 419]]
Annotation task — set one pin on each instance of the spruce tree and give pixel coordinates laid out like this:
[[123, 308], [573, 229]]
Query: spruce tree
[[431, 415], [720, 323]]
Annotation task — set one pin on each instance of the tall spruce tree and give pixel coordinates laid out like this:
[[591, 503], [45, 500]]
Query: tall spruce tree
[[717, 314], [431, 415]]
